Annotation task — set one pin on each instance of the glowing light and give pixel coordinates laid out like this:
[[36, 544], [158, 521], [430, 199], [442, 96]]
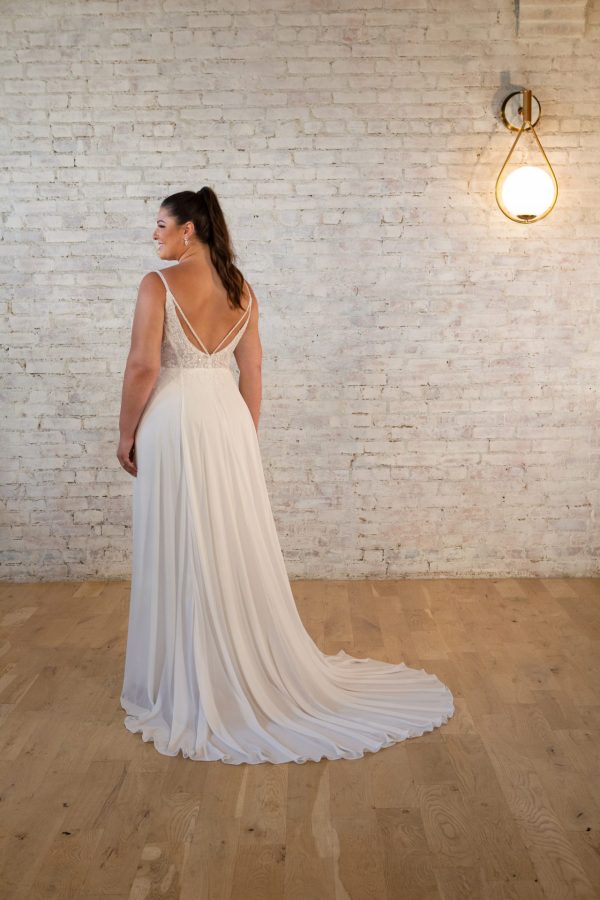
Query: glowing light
[[527, 192]]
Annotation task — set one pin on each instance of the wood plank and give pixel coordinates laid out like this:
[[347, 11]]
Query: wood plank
[[503, 803]]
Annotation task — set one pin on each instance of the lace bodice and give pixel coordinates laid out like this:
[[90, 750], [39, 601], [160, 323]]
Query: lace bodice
[[177, 351]]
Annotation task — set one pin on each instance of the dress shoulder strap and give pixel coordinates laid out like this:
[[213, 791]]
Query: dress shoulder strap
[[245, 315], [233, 327], [185, 318], [162, 278]]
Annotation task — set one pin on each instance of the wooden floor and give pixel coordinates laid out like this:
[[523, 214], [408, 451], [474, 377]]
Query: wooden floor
[[501, 802]]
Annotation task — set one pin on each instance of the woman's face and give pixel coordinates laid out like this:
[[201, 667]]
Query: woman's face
[[168, 235]]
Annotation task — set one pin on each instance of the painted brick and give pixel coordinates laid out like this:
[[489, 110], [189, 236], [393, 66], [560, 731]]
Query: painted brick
[[430, 371]]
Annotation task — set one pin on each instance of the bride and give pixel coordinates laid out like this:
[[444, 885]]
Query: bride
[[218, 663]]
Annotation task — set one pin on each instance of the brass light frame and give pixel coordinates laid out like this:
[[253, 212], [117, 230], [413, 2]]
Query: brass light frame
[[525, 112]]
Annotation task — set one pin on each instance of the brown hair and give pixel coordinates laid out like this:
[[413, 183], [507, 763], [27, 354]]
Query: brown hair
[[204, 210]]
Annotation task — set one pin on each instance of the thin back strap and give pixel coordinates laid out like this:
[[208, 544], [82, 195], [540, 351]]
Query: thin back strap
[[247, 310], [191, 327]]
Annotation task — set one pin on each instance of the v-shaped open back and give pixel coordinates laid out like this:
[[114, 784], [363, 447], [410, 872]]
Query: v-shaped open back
[[245, 314]]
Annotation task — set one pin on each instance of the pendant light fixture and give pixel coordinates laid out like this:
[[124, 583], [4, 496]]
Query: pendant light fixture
[[528, 192]]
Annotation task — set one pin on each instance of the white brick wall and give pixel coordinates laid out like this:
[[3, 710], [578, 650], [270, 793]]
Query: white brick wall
[[431, 368]]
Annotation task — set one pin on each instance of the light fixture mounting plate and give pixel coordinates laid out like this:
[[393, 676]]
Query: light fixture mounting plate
[[511, 112]]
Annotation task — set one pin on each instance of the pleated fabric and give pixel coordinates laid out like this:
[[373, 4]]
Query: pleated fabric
[[218, 663]]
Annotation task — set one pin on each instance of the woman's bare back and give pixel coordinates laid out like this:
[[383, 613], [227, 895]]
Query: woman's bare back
[[201, 295]]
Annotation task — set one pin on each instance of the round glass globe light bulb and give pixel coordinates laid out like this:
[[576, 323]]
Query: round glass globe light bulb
[[527, 192]]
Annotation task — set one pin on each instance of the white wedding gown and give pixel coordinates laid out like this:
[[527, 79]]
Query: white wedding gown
[[218, 663]]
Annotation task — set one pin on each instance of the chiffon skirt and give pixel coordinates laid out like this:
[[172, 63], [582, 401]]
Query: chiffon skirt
[[218, 663]]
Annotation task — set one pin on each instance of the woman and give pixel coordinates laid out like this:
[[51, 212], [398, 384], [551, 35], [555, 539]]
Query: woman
[[218, 664]]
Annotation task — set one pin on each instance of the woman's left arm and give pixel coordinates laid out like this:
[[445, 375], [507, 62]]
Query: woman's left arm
[[143, 364]]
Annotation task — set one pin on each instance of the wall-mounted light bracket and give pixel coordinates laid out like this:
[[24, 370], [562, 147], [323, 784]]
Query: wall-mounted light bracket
[[514, 114], [528, 193]]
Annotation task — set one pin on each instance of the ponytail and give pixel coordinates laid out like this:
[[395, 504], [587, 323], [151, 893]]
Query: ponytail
[[204, 210]]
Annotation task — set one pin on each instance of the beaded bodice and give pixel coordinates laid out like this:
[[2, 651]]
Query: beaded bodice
[[177, 351]]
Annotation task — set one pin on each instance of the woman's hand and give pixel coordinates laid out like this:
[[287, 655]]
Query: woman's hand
[[126, 455]]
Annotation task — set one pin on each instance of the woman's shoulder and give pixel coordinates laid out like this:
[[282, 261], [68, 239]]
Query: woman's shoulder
[[154, 276], [250, 293], [152, 288]]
